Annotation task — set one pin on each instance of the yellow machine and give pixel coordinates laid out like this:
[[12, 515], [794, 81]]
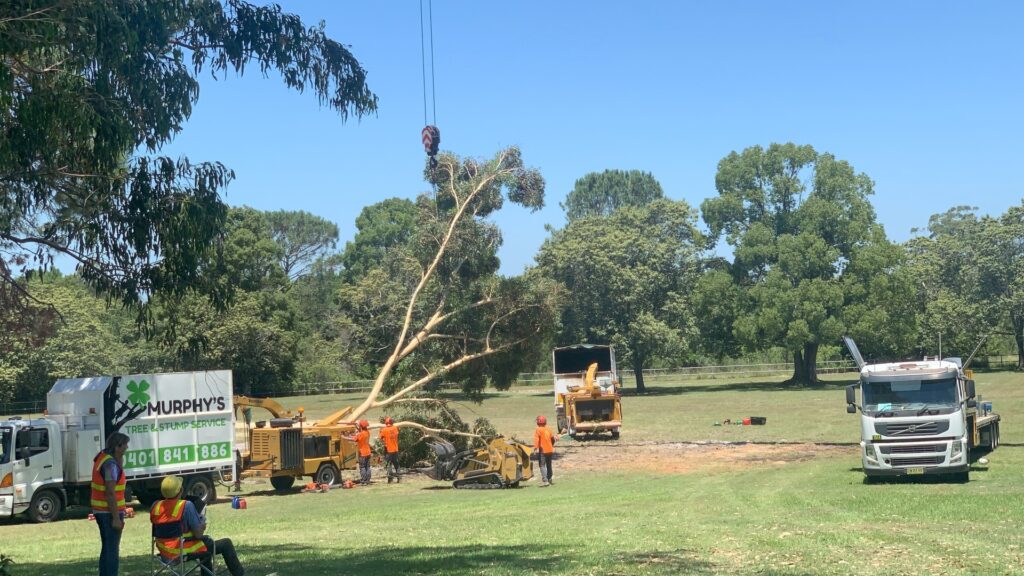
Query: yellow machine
[[587, 402], [501, 464], [287, 447]]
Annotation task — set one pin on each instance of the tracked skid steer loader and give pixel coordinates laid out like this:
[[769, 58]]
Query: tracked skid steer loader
[[501, 464]]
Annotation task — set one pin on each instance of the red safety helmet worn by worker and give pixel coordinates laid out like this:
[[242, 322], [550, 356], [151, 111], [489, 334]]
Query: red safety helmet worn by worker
[[388, 421], [364, 424], [542, 420]]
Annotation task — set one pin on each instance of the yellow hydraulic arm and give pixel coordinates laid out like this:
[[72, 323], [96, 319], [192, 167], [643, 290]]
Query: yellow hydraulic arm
[[268, 404]]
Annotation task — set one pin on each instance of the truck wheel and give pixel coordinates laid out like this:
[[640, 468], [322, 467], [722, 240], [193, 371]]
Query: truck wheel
[[615, 434], [327, 474], [201, 487], [46, 506], [282, 483]]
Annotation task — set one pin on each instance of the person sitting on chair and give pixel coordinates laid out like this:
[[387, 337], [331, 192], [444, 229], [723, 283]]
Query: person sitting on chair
[[196, 545]]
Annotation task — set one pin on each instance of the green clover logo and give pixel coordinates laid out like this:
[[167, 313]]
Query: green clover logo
[[138, 394]]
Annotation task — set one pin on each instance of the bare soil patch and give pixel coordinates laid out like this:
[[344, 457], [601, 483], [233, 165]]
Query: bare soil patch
[[687, 457]]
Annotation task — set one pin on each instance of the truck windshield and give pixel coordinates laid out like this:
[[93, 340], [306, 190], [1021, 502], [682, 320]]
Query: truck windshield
[[910, 395], [6, 435]]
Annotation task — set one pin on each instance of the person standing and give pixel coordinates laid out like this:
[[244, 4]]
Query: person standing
[[389, 435], [107, 500], [362, 439], [544, 447], [187, 531]]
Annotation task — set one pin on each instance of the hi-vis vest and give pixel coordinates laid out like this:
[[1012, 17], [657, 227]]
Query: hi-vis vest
[[98, 498], [165, 516]]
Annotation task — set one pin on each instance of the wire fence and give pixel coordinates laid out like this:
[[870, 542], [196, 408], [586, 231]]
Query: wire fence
[[538, 379]]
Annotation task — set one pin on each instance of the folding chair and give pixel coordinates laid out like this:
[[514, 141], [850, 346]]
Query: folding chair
[[182, 564]]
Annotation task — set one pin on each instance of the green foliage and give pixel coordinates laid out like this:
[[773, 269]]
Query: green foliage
[[303, 238], [5, 563], [628, 276], [380, 228], [601, 194], [86, 84], [439, 415], [794, 246]]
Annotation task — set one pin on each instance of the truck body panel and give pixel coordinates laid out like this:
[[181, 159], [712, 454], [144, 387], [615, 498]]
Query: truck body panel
[[587, 399]]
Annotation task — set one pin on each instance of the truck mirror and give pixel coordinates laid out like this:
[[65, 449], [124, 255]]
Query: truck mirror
[[972, 403], [24, 453], [851, 394], [970, 388], [851, 409]]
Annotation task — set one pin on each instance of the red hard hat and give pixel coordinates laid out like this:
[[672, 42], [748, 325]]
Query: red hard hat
[[364, 424], [542, 420], [388, 421]]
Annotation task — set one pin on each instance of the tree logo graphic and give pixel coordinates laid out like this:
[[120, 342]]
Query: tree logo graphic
[[138, 395]]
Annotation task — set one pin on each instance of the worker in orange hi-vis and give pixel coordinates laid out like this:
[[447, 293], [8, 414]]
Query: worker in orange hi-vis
[[389, 436], [544, 448], [362, 439]]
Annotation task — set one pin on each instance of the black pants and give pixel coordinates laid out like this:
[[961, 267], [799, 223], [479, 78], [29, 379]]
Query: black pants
[[364, 469], [391, 464], [544, 461], [227, 553]]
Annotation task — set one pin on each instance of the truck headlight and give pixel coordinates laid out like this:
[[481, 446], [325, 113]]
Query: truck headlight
[[869, 453], [956, 449]]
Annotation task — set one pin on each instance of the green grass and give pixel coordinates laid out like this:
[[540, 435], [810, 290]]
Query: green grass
[[807, 517]]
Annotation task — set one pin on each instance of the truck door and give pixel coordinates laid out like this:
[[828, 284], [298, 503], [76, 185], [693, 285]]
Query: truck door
[[33, 463]]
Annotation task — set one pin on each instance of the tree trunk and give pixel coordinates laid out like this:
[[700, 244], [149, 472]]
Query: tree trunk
[[805, 365], [638, 373], [1018, 334]]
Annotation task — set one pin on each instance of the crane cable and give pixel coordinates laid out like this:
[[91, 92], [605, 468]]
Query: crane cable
[[430, 135]]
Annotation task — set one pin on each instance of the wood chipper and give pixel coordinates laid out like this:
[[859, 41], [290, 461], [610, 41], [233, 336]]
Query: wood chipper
[[587, 399], [501, 464], [287, 447]]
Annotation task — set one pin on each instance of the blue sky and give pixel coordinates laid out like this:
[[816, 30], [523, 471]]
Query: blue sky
[[927, 98]]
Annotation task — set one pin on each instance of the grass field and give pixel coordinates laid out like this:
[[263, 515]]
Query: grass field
[[804, 516]]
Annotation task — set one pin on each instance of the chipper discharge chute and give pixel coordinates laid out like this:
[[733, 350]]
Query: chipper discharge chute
[[501, 464]]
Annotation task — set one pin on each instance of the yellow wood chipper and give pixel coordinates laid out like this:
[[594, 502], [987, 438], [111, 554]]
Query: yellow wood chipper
[[587, 399]]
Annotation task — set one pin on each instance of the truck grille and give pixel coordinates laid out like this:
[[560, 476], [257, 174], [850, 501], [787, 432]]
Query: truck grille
[[919, 461], [907, 429], [919, 449], [291, 448]]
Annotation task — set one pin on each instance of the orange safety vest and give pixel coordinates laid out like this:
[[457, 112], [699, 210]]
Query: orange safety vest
[[170, 512], [98, 498], [363, 440], [389, 434]]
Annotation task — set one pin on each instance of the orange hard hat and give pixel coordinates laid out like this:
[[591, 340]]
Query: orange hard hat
[[364, 424], [389, 421], [542, 420]]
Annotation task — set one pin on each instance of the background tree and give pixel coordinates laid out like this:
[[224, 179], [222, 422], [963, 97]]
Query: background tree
[[438, 309], [628, 278], [304, 239], [791, 251], [86, 83], [380, 228], [601, 194], [1001, 273]]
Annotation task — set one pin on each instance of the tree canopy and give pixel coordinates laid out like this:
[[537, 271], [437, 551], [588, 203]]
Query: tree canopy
[[628, 277], [90, 90], [601, 194], [796, 219]]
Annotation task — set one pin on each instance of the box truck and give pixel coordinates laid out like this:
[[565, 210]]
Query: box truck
[[180, 423], [587, 400]]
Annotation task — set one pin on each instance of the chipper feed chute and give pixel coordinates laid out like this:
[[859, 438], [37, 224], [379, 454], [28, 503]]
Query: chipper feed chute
[[501, 464]]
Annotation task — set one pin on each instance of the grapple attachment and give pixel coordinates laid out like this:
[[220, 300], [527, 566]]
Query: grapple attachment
[[501, 464]]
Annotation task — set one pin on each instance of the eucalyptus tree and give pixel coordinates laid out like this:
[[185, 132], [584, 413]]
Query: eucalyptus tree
[[435, 309], [90, 90]]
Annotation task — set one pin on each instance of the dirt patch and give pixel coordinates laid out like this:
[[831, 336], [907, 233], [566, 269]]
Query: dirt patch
[[686, 457]]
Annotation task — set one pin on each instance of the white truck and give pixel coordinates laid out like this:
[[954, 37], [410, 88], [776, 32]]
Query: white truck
[[179, 423], [919, 418]]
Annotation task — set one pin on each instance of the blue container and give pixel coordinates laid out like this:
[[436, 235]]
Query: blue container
[[234, 503], [986, 407]]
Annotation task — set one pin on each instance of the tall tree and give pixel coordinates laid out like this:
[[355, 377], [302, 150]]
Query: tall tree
[[628, 276], [792, 244], [1001, 274], [437, 309], [84, 84], [303, 237], [380, 228], [600, 194]]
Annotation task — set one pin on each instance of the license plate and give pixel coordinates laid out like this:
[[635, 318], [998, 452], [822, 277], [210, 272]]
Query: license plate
[[911, 471]]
